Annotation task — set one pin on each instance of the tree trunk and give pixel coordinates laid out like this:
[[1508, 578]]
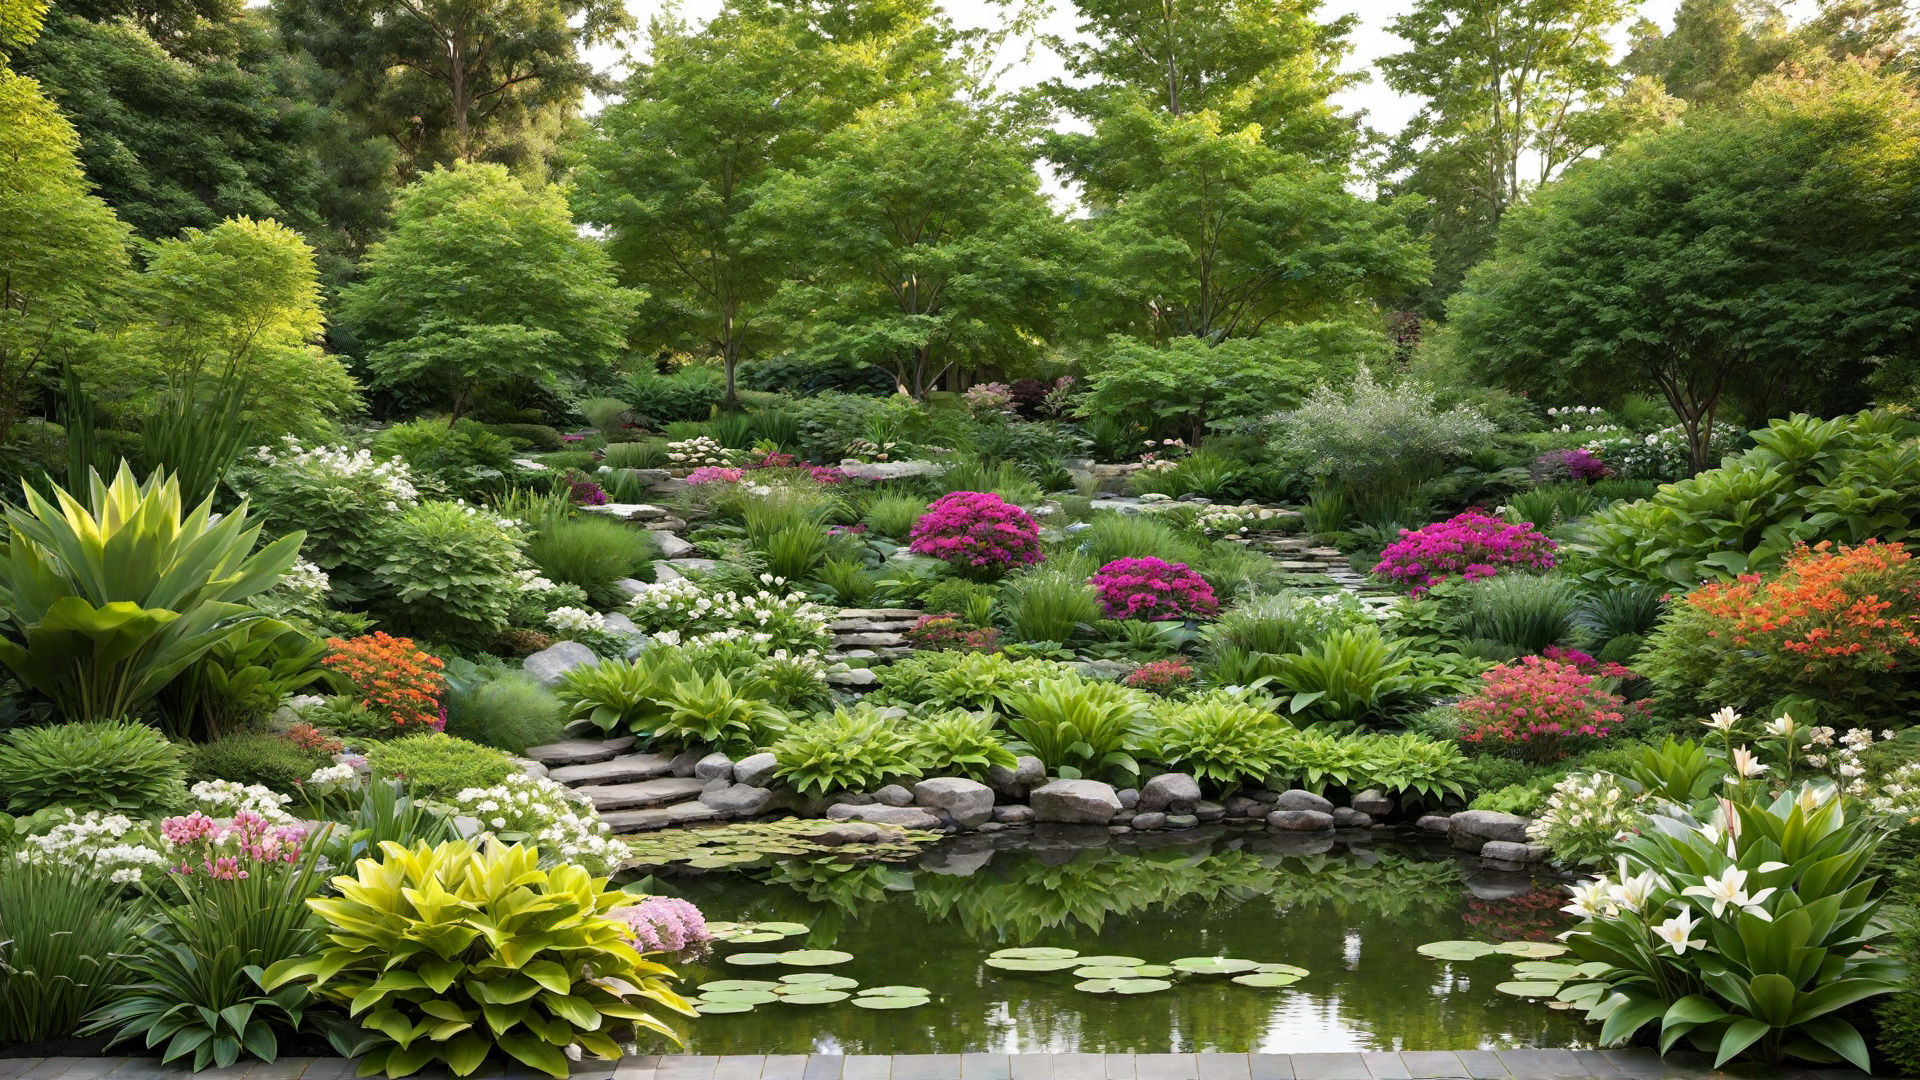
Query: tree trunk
[[462, 96]]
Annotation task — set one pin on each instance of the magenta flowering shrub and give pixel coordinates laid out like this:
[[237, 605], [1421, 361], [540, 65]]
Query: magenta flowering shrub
[[1152, 589], [1578, 463], [1470, 545], [715, 474], [585, 492], [978, 533], [664, 924]]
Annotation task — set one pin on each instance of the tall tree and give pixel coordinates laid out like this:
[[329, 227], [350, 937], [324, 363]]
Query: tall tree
[[674, 171], [1714, 51], [1761, 252]]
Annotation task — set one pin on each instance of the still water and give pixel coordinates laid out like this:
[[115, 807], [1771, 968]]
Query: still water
[[1352, 914]]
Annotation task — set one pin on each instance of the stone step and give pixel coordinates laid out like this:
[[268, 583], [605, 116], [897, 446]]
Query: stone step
[[663, 817], [579, 751], [624, 769], [869, 640], [645, 793], [841, 626], [870, 614]]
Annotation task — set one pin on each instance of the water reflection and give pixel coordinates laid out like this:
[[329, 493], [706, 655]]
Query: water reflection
[[1350, 914]]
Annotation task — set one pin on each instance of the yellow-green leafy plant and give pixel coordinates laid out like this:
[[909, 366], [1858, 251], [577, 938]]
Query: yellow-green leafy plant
[[444, 954], [106, 603]]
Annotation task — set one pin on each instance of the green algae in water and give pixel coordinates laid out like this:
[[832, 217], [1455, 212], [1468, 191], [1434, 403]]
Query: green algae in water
[[1348, 922]]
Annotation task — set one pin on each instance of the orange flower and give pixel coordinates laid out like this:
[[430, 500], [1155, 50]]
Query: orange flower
[[393, 676]]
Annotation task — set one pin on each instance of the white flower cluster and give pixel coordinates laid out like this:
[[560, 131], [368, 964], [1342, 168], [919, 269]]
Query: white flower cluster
[[1660, 455], [787, 620], [1583, 816], [306, 579], [562, 821], [693, 453], [531, 581], [225, 798], [339, 462], [329, 775], [1217, 520], [574, 620], [110, 844]]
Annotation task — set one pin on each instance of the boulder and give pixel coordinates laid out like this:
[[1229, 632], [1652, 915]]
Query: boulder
[[1170, 791], [756, 770], [531, 767], [1075, 802], [633, 586], [1182, 821], [615, 623], [1129, 797], [906, 817], [1508, 856], [1209, 811], [1373, 802], [1240, 806], [968, 802], [685, 762], [741, 800], [889, 470], [1433, 823], [715, 766], [1147, 822], [852, 678], [568, 752], [1346, 817], [1013, 814], [547, 665], [1027, 774], [854, 832], [1469, 830], [893, 795], [1300, 820], [672, 547], [1297, 799]]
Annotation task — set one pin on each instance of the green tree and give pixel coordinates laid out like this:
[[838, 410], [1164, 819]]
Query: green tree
[[484, 281], [1762, 251], [674, 171], [920, 258], [1714, 51]]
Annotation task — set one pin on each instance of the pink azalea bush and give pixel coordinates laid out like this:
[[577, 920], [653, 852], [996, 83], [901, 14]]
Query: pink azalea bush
[[585, 492], [1150, 588], [1541, 709], [1578, 463], [664, 924], [978, 533], [1471, 545], [715, 474], [1161, 676]]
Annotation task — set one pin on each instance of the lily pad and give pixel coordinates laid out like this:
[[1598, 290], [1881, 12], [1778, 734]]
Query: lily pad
[[1036, 952], [896, 991], [1153, 971], [1108, 971], [1457, 950], [1529, 989], [814, 957], [1593, 969], [1546, 969], [1112, 961], [890, 1002], [1267, 979], [1018, 964], [739, 997], [1122, 986], [1282, 969], [815, 997], [787, 928], [1532, 950], [715, 1008], [1213, 965], [815, 980], [749, 937], [755, 959], [736, 984], [716, 927]]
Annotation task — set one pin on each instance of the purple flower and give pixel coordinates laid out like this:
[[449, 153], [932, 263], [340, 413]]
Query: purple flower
[[1471, 545], [664, 924]]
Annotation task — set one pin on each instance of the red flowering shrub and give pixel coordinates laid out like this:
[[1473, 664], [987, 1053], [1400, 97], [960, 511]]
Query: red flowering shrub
[[978, 533], [946, 633], [1161, 676], [312, 739], [393, 677], [1153, 589], [1471, 545], [1542, 709]]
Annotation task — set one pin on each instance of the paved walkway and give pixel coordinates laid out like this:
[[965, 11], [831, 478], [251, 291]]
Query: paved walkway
[[1409, 1065]]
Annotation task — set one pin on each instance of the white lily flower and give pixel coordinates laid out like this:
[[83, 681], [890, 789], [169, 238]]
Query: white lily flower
[[1730, 888], [1589, 898], [1746, 764], [1723, 720], [1782, 727], [1770, 867], [1811, 798], [1675, 930], [1634, 892]]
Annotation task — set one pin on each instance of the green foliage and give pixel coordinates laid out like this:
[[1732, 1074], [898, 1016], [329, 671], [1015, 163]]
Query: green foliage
[[508, 713], [525, 960], [855, 749], [793, 551], [959, 743], [1403, 763], [892, 516], [1073, 723], [848, 581], [689, 393], [109, 765], [466, 459], [1221, 740], [437, 765], [645, 454], [104, 606], [961, 680], [1282, 622], [618, 695], [242, 679], [1680, 772], [1551, 505], [1189, 383], [65, 931], [1353, 676], [708, 710], [593, 552], [447, 574], [958, 596], [1049, 605], [604, 414], [1376, 438], [1135, 536], [1615, 612], [254, 758], [484, 280], [1528, 612], [533, 436]]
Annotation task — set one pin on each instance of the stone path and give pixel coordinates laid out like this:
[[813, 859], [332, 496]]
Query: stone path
[[1408, 1065]]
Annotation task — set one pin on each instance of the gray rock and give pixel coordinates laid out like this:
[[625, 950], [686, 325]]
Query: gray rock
[[990, 826], [1264, 796], [467, 827], [1147, 822], [1433, 823], [757, 769], [852, 677], [645, 794], [906, 817], [851, 798], [690, 566], [531, 767], [1508, 856], [1373, 802], [1105, 670], [893, 795], [889, 470], [1297, 799], [663, 572], [571, 752], [1346, 817], [686, 761], [660, 817], [741, 800], [1129, 797], [1124, 817], [1170, 791], [1027, 774], [1469, 829], [1299, 820], [1083, 802], [872, 640], [1013, 814], [854, 832], [718, 783], [1182, 821], [1119, 830], [547, 665], [715, 766], [968, 802], [1240, 806], [1209, 811], [616, 623], [634, 586], [672, 547], [628, 511]]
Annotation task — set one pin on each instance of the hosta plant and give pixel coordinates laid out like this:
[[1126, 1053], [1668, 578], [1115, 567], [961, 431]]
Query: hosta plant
[[1220, 740], [446, 954], [851, 750], [1073, 724], [1353, 677], [960, 743], [712, 711], [617, 696], [1744, 935]]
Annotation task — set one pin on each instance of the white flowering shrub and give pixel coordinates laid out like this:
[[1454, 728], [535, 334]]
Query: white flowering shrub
[[557, 818], [225, 798], [1659, 455], [343, 498], [774, 620], [1240, 520], [1583, 817], [125, 850], [698, 452]]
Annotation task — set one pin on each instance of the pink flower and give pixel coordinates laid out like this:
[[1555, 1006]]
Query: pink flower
[[714, 474], [664, 924], [1153, 589], [1472, 545], [1542, 705], [977, 531]]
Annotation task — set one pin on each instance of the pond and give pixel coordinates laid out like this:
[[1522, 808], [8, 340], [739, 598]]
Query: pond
[[1352, 914]]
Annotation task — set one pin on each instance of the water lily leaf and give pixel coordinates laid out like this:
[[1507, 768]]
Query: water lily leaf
[[1267, 979], [1457, 950], [754, 959], [1018, 964], [1282, 969], [1532, 950], [787, 928], [896, 991], [814, 957], [1593, 969], [1563, 1006], [1529, 989], [1108, 971], [814, 980], [739, 997], [715, 928], [1153, 971], [1122, 986], [1112, 961], [721, 862], [1546, 969], [736, 984], [814, 997], [714, 1008], [890, 1002], [748, 937], [1037, 952], [1213, 965]]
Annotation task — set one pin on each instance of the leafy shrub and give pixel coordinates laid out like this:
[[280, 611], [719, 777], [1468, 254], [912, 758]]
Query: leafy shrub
[[437, 765], [852, 750], [119, 765], [1232, 570], [346, 501], [1048, 605], [1135, 536], [645, 454], [465, 460], [594, 552], [793, 551], [1376, 437], [1529, 612], [948, 632], [957, 743], [1188, 383], [689, 393], [1160, 677], [616, 695], [1152, 589], [1551, 504], [1220, 740], [508, 713], [532, 951], [703, 710], [448, 573], [893, 516], [1577, 463], [1317, 758], [1617, 612], [526, 809], [1284, 622], [1582, 816], [604, 413], [391, 676], [252, 758], [536, 436], [969, 600], [66, 930], [960, 680], [1539, 709], [1839, 625], [977, 533], [1471, 545], [1353, 677], [1072, 723]]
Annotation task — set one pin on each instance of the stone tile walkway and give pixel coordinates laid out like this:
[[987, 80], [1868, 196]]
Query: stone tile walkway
[[1407, 1065]]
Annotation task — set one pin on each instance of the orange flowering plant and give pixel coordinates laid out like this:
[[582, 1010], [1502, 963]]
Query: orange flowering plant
[[393, 677], [1837, 624]]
